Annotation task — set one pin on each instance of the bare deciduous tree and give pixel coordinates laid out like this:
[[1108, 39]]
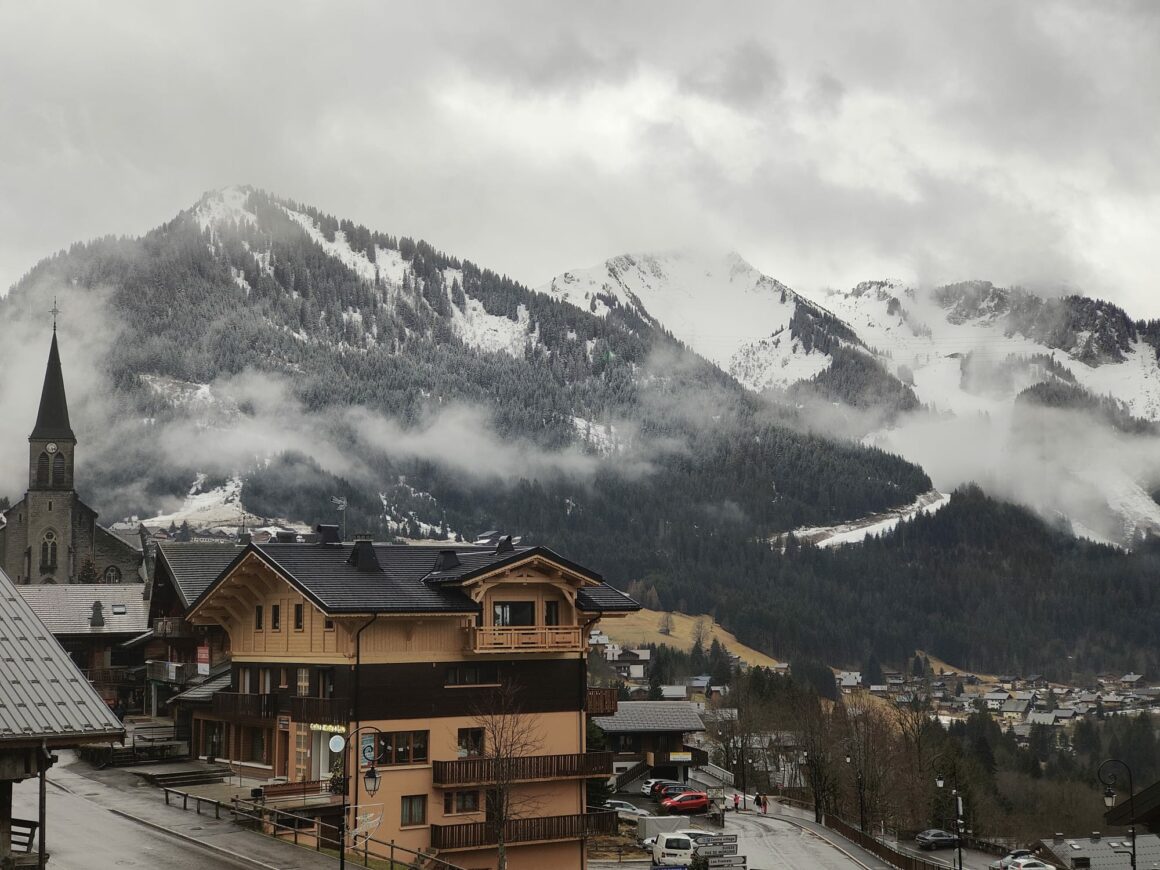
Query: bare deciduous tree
[[507, 735]]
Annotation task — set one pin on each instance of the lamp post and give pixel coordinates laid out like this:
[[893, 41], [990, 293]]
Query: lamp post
[[1108, 778], [861, 795], [371, 779], [940, 781]]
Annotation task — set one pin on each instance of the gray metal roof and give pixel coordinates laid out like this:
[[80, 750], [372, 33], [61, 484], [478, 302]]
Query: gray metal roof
[[68, 610], [43, 696], [655, 716], [204, 691], [195, 565], [1101, 852]]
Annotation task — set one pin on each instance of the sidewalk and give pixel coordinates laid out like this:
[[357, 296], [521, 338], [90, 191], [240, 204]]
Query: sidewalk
[[122, 792]]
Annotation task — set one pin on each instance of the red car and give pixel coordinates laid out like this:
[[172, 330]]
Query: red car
[[689, 802]]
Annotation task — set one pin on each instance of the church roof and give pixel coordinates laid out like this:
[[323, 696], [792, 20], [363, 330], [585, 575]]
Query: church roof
[[42, 694], [52, 418]]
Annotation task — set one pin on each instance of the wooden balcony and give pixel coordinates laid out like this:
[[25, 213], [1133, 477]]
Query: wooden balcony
[[115, 676], [531, 638], [238, 705], [527, 768], [171, 627], [601, 702], [687, 755], [532, 830], [177, 673], [320, 711]]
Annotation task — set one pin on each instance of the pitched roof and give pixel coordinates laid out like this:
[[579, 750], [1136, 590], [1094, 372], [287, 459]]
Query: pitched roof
[[405, 579], [204, 691], [654, 716], [1101, 852], [195, 565], [68, 610], [52, 418], [43, 696]]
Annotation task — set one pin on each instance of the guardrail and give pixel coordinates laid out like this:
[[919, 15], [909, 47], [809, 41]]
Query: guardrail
[[726, 776], [307, 832]]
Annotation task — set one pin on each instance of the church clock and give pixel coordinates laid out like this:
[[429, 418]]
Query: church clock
[[51, 447]]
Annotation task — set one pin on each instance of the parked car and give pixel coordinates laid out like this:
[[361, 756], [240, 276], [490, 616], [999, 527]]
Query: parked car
[[692, 833], [935, 838], [672, 848], [662, 783], [625, 808], [646, 788], [668, 791], [1007, 860], [1029, 864], [688, 802]]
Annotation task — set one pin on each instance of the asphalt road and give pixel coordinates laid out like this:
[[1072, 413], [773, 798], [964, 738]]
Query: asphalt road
[[972, 860], [84, 836]]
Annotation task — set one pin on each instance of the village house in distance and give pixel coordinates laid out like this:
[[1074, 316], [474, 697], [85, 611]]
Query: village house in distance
[[50, 535]]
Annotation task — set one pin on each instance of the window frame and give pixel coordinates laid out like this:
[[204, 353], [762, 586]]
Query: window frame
[[454, 803], [460, 675], [464, 747], [506, 621], [406, 819], [275, 617], [389, 743], [299, 616], [259, 621]]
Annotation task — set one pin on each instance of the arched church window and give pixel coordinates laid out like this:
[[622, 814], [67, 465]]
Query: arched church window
[[48, 550], [58, 470], [42, 470], [112, 574]]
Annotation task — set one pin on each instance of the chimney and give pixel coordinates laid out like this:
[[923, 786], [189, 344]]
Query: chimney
[[328, 534], [504, 545], [362, 555], [98, 618], [285, 537], [446, 560]]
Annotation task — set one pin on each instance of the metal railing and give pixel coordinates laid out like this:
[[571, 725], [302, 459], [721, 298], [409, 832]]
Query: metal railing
[[112, 676], [483, 639], [726, 776], [178, 673], [530, 830], [524, 768], [307, 832], [172, 626], [636, 771]]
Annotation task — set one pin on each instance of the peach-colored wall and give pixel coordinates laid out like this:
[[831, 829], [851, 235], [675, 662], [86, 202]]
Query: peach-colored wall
[[539, 856]]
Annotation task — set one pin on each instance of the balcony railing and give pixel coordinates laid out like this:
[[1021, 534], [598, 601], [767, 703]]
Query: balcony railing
[[531, 638], [115, 676], [320, 711], [531, 830], [525, 768], [688, 755], [245, 706], [601, 702], [177, 673], [171, 626]]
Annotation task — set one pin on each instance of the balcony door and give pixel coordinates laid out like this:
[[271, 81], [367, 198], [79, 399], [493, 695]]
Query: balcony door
[[512, 614]]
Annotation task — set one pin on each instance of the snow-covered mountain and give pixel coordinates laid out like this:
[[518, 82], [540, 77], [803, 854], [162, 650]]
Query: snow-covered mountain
[[719, 305], [983, 361]]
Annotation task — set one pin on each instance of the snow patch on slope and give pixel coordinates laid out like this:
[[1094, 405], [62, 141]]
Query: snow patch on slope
[[223, 206], [876, 524]]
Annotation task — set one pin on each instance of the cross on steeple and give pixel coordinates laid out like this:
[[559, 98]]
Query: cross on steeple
[[54, 311]]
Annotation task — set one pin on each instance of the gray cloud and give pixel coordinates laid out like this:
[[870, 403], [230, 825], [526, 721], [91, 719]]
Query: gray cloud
[[827, 142]]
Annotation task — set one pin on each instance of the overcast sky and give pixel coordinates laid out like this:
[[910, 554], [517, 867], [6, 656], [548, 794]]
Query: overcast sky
[[826, 142]]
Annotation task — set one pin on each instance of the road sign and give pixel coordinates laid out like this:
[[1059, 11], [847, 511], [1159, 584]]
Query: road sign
[[715, 839], [727, 861], [723, 849]]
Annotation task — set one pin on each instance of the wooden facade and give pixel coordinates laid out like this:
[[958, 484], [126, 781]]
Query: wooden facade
[[418, 689]]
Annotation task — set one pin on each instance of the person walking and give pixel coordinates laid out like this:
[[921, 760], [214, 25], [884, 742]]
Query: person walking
[[758, 800], [764, 804], [736, 802]]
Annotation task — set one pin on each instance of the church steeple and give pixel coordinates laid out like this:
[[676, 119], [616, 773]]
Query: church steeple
[[52, 419], [51, 444]]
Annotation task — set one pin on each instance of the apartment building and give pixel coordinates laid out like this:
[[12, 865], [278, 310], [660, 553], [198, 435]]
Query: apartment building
[[425, 658]]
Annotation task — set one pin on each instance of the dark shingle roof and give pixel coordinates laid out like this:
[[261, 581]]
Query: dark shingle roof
[[204, 692], [194, 566], [68, 610], [407, 581], [42, 694], [651, 716]]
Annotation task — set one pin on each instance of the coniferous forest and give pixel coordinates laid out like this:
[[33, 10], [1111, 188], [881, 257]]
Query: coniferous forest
[[680, 510]]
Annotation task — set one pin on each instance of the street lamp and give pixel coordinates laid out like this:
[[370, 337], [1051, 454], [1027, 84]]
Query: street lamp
[[861, 795], [940, 781], [1108, 779], [371, 779]]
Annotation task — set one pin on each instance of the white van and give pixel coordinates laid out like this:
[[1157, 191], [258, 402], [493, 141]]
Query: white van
[[673, 848]]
